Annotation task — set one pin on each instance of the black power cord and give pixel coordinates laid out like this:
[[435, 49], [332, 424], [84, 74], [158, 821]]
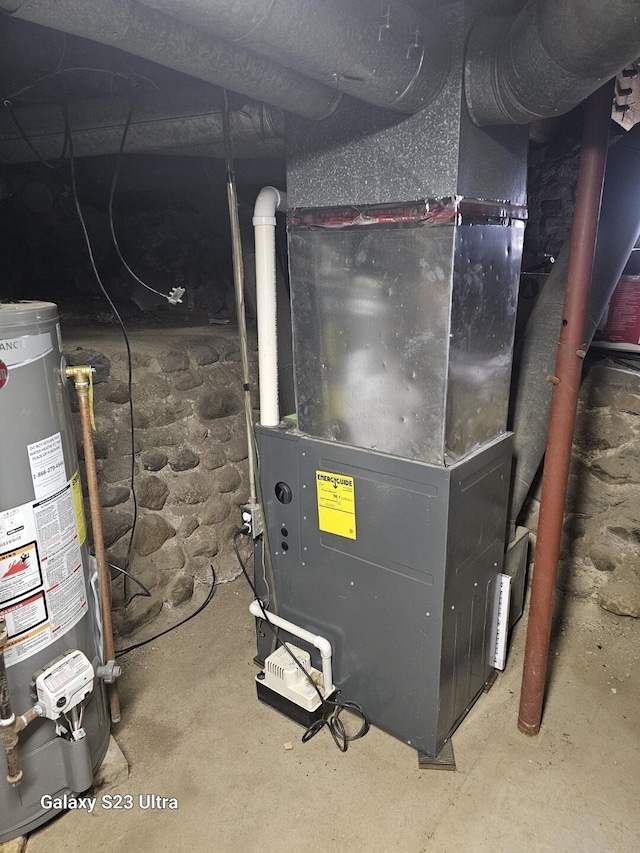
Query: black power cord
[[174, 296], [195, 613], [331, 708], [116, 314], [50, 164], [131, 577]]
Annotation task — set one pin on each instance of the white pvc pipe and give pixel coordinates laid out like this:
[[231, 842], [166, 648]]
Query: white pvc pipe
[[264, 223], [321, 643]]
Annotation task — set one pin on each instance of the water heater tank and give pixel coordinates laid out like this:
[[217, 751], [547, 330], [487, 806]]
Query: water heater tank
[[48, 588]]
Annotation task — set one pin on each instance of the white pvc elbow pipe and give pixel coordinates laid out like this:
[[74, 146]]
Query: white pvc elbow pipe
[[264, 223], [321, 643]]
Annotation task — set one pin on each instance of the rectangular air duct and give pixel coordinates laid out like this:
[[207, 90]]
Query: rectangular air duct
[[404, 317]]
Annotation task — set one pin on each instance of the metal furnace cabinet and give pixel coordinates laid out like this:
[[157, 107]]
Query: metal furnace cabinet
[[403, 583]]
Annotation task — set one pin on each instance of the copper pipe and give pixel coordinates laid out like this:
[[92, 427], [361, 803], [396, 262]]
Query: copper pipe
[[566, 381], [81, 380]]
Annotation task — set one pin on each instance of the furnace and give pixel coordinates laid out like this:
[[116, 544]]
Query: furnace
[[385, 494]]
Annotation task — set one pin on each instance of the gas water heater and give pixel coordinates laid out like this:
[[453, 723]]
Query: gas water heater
[[49, 596]]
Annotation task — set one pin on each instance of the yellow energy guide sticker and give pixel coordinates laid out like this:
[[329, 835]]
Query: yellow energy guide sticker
[[336, 504], [76, 488]]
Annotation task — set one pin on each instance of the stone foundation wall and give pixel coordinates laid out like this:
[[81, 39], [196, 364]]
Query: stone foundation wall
[[601, 541], [190, 458], [192, 473]]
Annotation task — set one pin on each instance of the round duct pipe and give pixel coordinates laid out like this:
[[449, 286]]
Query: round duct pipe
[[547, 59], [145, 32], [160, 122], [385, 54]]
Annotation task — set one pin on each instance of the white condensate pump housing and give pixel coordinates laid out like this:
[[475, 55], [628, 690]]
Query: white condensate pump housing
[[285, 676], [51, 644]]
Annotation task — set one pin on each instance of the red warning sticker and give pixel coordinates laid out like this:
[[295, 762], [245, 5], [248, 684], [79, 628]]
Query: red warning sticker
[[4, 374]]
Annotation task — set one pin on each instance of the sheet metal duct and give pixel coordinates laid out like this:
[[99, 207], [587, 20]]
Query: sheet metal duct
[[404, 264], [147, 33], [406, 315], [385, 54], [549, 58], [618, 233], [160, 122]]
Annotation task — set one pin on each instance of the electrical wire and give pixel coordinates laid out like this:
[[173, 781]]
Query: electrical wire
[[49, 74], [331, 708], [195, 613], [264, 579], [50, 164], [8, 105], [59, 72], [128, 76], [145, 592], [70, 727], [116, 314], [68, 145], [114, 181]]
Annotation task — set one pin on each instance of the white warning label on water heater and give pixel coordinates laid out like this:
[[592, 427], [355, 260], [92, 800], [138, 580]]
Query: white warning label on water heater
[[20, 571], [336, 504], [47, 466], [42, 586]]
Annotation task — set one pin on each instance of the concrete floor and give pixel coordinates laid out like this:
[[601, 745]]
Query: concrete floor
[[192, 729]]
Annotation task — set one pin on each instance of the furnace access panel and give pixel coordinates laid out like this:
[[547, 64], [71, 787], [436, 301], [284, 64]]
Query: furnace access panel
[[396, 563]]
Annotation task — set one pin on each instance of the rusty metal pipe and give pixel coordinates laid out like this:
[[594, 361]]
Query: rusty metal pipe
[[10, 725], [9, 737], [10, 744], [566, 381], [8, 733], [5, 700], [81, 378]]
